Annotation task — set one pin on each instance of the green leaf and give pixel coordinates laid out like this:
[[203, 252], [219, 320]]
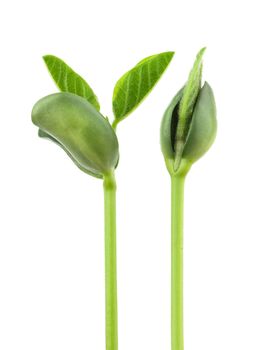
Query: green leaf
[[69, 81], [187, 104], [134, 85]]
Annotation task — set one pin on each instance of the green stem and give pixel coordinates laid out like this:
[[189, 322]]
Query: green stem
[[109, 186], [177, 203], [114, 124]]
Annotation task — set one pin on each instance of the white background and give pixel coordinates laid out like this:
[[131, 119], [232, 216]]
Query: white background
[[51, 240]]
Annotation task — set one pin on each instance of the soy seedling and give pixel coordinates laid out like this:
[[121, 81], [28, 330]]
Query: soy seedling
[[188, 130], [72, 120]]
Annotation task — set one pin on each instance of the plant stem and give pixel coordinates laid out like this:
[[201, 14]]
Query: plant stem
[[109, 186], [177, 203], [114, 124]]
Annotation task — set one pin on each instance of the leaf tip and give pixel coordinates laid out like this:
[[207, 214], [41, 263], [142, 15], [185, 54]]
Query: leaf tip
[[201, 53], [47, 60], [170, 54], [46, 57]]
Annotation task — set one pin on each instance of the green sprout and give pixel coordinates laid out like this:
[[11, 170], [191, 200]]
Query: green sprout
[[72, 120], [188, 130]]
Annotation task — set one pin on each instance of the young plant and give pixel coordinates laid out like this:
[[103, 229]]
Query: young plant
[[188, 130], [73, 121]]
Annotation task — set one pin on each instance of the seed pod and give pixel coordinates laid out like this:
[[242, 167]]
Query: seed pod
[[75, 125], [202, 129], [203, 126]]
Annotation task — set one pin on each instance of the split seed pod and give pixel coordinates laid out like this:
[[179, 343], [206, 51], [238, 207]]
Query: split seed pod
[[76, 126], [189, 124]]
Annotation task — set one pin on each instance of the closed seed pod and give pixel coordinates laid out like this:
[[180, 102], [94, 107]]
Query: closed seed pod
[[202, 129], [74, 124]]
